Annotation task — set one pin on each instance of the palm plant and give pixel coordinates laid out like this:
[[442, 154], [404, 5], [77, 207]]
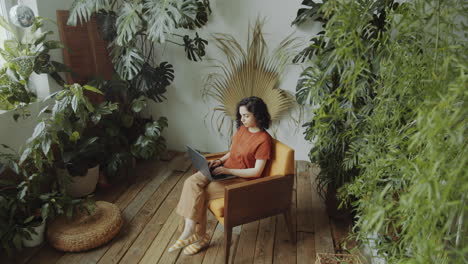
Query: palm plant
[[250, 72]]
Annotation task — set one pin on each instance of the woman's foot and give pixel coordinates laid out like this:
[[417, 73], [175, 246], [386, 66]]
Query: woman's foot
[[197, 246], [180, 243]]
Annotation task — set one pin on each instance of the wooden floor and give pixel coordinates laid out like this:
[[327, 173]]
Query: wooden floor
[[151, 224]]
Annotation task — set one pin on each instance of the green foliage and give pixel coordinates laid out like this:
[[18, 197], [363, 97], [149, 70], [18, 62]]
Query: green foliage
[[132, 27], [66, 136], [389, 87], [29, 198], [151, 142], [23, 57]]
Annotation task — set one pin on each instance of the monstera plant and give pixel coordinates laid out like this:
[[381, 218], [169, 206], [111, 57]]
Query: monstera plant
[[133, 29], [22, 58]]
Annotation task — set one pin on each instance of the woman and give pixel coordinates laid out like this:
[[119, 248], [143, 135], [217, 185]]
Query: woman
[[250, 150]]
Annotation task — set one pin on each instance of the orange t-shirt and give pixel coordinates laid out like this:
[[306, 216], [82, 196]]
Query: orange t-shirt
[[247, 147]]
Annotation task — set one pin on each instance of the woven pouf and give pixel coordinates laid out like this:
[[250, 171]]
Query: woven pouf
[[86, 231]]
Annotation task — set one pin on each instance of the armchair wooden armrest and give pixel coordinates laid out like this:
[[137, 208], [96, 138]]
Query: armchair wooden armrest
[[256, 199]]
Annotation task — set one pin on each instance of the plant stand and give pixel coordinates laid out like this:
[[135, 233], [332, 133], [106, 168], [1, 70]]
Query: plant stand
[[328, 258]]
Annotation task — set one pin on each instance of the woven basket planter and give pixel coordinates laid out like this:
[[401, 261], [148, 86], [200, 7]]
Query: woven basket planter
[[327, 258]]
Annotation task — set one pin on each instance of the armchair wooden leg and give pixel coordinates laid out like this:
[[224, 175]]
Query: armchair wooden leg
[[227, 243], [288, 220]]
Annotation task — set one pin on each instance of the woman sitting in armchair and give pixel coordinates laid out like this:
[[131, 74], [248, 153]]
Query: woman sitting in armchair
[[250, 150]]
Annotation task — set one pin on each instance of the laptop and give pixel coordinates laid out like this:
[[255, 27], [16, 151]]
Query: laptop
[[201, 164]]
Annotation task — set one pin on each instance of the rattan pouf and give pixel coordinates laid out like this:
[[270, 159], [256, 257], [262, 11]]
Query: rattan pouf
[[85, 232]]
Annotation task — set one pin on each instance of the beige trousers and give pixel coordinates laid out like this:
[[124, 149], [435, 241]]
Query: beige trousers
[[196, 194]]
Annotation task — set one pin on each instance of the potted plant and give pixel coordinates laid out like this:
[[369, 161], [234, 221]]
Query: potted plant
[[23, 56], [79, 164], [64, 140]]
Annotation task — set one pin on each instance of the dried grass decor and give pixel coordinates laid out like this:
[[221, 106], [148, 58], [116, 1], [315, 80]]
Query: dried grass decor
[[250, 72]]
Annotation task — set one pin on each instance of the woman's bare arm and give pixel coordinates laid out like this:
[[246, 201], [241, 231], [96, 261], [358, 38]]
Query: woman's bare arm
[[244, 173]]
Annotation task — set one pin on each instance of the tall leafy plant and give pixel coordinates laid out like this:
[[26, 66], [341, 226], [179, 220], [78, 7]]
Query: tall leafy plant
[[395, 76], [133, 28]]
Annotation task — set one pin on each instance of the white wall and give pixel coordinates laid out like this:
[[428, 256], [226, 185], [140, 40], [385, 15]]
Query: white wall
[[14, 133], [185, 108]]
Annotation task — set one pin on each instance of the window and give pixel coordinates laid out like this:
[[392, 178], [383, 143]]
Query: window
[[4, 7]]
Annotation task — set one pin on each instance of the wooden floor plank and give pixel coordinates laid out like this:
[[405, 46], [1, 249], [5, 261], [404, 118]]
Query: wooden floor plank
[[128, 214], [46, 253], [305, 225], [284, 250], [245, 252], [92, 256], [148, 206], [265, 241], [153, 227], [215, 252], [305, 248], [137, 225], [197, 258], [323, 238], [160, 242], [304, 198]]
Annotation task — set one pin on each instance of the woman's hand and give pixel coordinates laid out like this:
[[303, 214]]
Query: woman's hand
[[221, 170], [214, 163]]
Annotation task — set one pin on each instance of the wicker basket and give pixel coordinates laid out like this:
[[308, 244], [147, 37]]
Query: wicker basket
[[85, 232], [328, 258]]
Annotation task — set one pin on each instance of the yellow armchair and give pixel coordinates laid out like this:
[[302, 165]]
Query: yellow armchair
[[259, 198]]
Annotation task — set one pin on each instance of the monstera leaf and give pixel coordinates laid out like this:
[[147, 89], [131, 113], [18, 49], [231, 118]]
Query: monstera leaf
[[162, 17], [203, 10], [152, 82], [81, 10], [106, 25], [313, 13], [194, 47], [129, 22], [128, 61]]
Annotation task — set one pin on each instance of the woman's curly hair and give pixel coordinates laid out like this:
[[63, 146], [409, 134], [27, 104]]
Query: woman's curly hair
[[258, 108]]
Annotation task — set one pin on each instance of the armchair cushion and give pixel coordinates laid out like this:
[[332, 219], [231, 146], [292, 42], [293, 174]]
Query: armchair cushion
[[217, 207]]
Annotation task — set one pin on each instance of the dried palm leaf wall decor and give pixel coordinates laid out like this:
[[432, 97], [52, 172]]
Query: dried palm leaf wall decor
[[250, 72]]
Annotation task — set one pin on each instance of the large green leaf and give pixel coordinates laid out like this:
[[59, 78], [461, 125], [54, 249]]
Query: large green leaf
[[162, 17], [313, 13], [128, 22], [128, 63], [202, 12], [81, 10], [153, 82], [107, 25]]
